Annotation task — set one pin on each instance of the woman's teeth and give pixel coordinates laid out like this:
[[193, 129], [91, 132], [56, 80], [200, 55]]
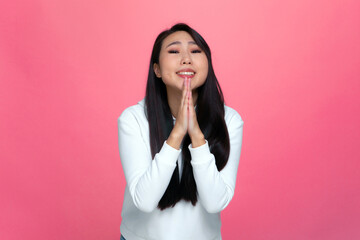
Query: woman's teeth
[[186, 73]]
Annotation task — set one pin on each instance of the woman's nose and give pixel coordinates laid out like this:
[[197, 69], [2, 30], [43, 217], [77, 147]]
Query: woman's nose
[[186, 59]]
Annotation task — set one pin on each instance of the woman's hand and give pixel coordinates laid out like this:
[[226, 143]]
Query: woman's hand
[[194, 131], [181, 125], [186, 121]]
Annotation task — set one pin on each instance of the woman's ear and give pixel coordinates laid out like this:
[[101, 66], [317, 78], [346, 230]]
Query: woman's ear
[[157, 70]]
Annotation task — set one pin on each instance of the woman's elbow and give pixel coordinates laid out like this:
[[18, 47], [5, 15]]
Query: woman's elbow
[[212, 209], [144, 206], [214, 206]]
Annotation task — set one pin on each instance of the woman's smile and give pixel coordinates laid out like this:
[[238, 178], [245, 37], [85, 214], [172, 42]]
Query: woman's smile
[[186, 73]]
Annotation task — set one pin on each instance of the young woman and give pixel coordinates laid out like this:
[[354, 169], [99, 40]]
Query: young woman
[[179, 146]]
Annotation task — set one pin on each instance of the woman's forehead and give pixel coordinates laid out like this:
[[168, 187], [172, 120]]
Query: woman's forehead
[[180, 37]]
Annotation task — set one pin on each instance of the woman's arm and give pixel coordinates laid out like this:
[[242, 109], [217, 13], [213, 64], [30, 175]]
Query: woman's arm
[[216, 189], [147, 179]]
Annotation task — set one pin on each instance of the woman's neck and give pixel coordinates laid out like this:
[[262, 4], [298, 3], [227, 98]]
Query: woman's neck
[[174, 100]]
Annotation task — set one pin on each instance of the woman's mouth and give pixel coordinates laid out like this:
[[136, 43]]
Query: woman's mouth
[[186, 74]]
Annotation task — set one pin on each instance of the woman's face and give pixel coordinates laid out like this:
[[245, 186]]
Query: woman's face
[[181, 57]]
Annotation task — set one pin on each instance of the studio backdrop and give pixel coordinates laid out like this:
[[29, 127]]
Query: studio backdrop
[[290, 68]]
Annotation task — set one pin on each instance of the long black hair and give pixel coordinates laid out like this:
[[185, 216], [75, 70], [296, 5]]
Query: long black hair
[[210, 115]]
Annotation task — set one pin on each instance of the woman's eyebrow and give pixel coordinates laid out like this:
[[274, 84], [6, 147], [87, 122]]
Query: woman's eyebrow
[[178, 42]]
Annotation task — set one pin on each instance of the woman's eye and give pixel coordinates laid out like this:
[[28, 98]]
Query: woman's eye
[[196, 51], [173, 51]]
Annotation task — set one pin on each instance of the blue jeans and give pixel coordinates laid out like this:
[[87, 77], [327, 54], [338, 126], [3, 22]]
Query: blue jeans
[[122, 237]]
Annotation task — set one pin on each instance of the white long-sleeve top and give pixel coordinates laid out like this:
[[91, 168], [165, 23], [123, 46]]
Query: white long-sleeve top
[[147, 180]]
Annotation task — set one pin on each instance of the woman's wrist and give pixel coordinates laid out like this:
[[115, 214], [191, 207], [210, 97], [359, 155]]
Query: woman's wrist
[[174, 140], [197, 140]]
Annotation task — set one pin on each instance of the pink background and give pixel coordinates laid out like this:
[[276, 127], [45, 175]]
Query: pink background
[[290, 68]]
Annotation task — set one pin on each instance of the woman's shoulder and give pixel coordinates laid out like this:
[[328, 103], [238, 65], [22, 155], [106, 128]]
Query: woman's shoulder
[[135, 111], [232, 116]]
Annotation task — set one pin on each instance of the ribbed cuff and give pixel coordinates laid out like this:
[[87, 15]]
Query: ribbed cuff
[[168, 154], [201, 153]]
